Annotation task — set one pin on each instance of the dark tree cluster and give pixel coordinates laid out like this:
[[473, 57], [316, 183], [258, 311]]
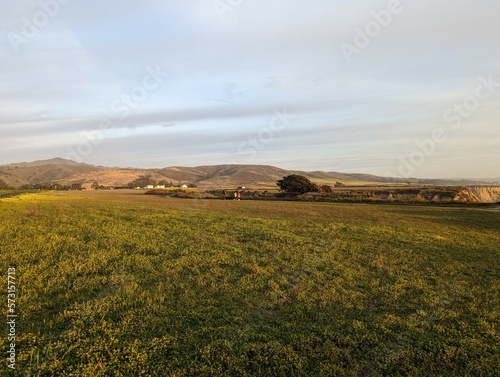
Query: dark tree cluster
[[295, 184]]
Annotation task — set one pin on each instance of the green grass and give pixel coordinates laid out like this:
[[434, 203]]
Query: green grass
[[124, 284]]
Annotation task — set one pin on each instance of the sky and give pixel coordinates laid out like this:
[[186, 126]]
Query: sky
[[394, 88]]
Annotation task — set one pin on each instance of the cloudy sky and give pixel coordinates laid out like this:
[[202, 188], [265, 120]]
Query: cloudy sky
[[401, 88]]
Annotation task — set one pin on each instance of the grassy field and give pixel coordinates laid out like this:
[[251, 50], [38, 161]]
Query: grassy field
[[124, 284]]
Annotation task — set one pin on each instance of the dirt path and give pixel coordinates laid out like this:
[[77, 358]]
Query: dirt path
[[495, 209], [489, 209]]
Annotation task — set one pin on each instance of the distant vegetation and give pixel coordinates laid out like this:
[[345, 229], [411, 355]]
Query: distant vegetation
[[51, 186], [117, 284], [148, 180]]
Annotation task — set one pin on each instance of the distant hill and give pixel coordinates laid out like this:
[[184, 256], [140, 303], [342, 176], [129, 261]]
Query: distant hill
[[58, 170], [52, 161], [53, 170]]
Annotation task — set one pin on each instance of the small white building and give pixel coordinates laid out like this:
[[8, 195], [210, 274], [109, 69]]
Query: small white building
[[149, 187], [184, 186]]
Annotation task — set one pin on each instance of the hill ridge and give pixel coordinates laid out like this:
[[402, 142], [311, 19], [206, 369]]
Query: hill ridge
[[60, 170]]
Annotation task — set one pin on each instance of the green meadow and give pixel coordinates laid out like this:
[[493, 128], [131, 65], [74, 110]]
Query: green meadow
[[124, 284]]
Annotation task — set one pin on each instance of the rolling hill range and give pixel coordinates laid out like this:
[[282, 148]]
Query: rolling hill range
[[58, 170]]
